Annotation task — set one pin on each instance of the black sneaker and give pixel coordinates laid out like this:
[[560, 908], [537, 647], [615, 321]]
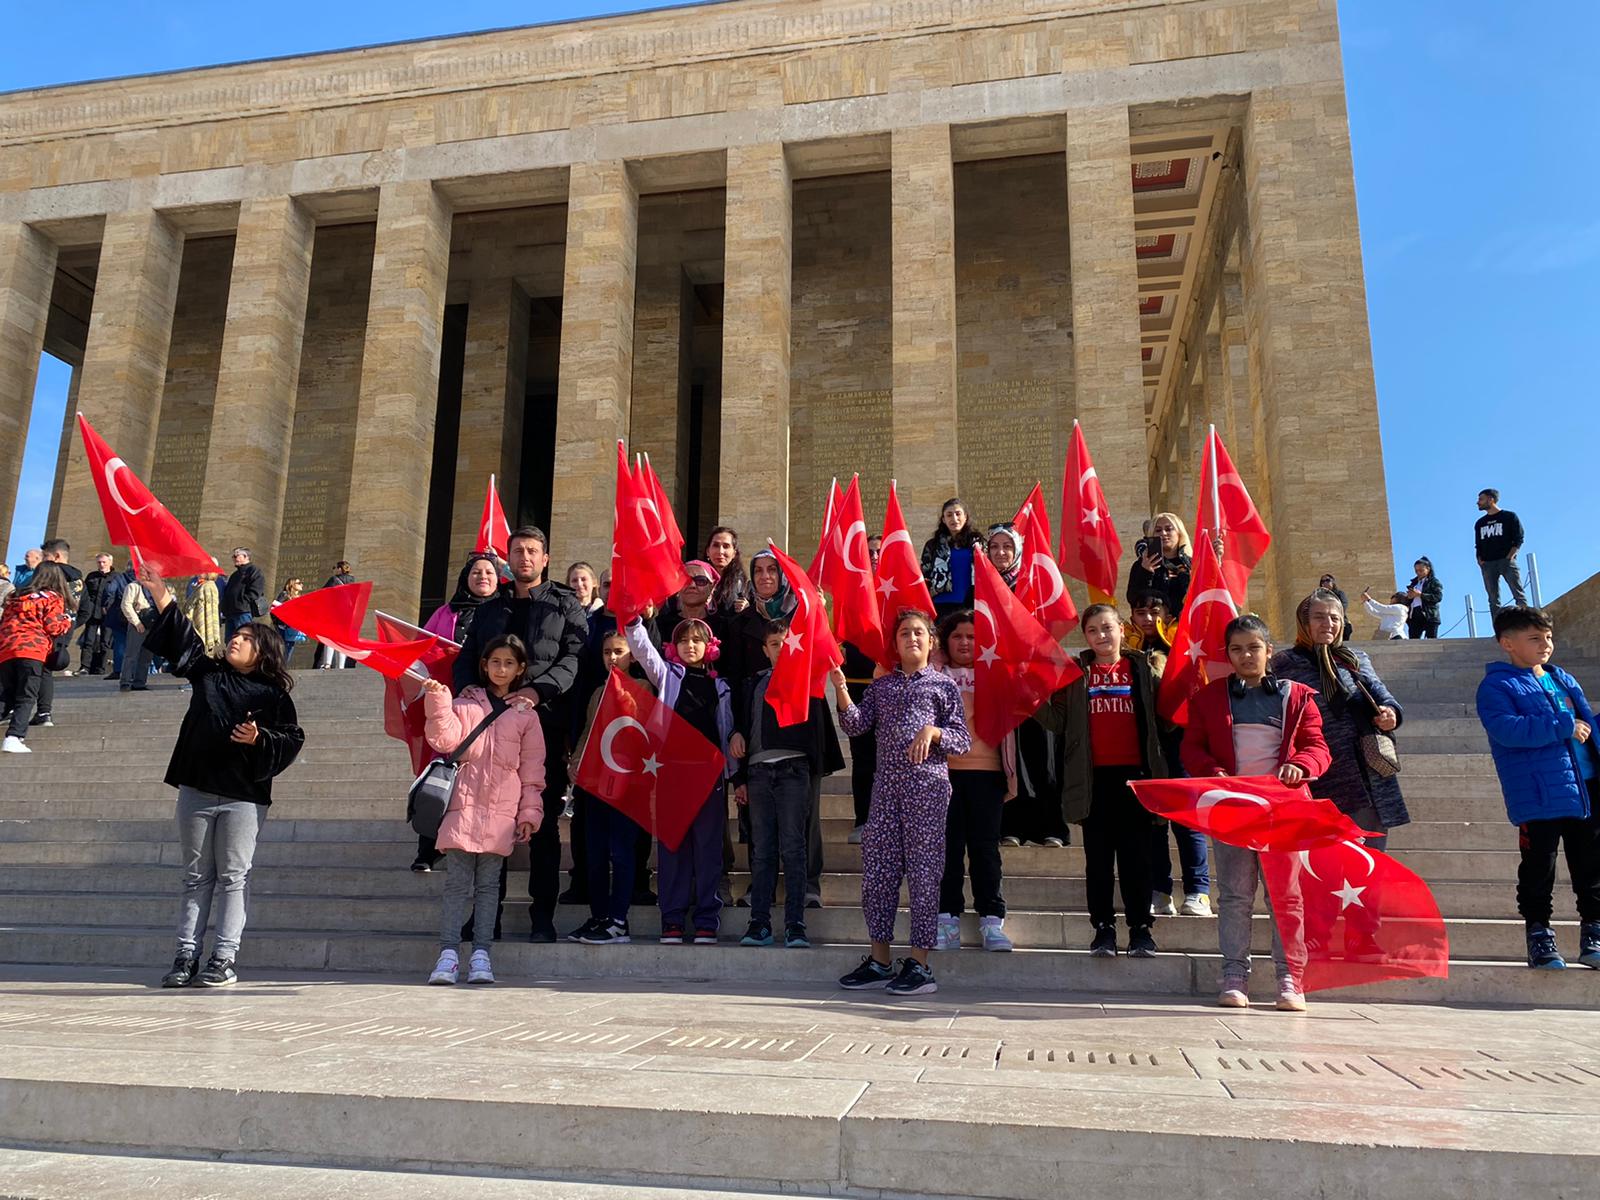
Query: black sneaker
[[218, 973], [1589, 944], [582, 931], [759, 934], [422, 865], [43, 719], [1140, 943], [794, 938], [870, 974], [1542, 952], [644, 898], [542, 934], [914, 979], [1105, 942], [604, 933], [184, 969], [574, 895]]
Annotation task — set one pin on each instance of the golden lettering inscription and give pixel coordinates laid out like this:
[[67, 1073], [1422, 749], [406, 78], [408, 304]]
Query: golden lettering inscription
[[1006, 434]]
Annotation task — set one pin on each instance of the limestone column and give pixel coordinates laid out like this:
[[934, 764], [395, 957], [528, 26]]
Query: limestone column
[[593, 392], [27, 274], [252, 418], [493, 387], [923, 233], [399, 395], [758, 254], [1108, 375], [1235, 369], [1306, 315], [124, 360]]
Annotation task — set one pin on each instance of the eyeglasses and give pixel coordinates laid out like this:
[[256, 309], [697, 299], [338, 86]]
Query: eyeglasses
[[699, 581]]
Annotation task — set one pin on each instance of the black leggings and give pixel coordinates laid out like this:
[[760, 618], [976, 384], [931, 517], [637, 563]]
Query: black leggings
[[972, 829]]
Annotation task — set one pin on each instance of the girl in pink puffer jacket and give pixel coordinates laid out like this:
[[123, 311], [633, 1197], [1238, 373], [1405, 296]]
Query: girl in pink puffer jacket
[[498, 799]]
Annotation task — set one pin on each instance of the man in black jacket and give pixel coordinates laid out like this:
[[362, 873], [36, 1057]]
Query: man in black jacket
[[553, 627], [244, 596], [96, 639]]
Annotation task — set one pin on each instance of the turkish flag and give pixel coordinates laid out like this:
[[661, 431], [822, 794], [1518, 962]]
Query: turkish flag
[[647, 762], [333, 615], [847, 576], [824, 543], [1039, 583], [1353, 914], [493, 531], [1259, 812], [402, 715], [1357, 914], [669, 519], [1018, 664], [1200, 644], [809, 649], [1090, 548], [645, 567], [136, 519], [1244, 534], [900, 582]]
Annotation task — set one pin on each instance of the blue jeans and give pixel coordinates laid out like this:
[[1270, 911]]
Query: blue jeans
[[1496, 569], [217, 842], [1191, 855], [119, 643], [780, 809], [612, 842]]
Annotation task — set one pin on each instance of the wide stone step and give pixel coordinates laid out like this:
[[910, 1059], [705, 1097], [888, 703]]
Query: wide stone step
[[1171, 974], [419, 916]]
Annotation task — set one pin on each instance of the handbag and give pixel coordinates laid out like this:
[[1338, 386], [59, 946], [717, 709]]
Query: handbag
[[1378, 750], [428, 798], [60, 656]]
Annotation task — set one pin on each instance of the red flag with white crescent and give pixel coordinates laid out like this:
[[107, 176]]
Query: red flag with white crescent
[[847, 576], [402, 716], [669, 519], [646, 567], [136, 519], [1200, 644], [334, 615], [647, 762], [494, 533], [900, 582], [825, 543], [1244, 534], [809, 649], [1349, 913], [1090, 548], [1039, 582], [1018, 664]]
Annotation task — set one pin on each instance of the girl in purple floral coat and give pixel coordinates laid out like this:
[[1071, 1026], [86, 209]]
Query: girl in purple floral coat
[[916, 713]]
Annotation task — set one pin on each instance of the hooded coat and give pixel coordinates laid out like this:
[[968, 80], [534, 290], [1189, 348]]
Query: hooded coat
[[501, 781]]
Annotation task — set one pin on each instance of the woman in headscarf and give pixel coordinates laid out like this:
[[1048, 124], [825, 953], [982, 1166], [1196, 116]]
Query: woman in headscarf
[[479, 580]]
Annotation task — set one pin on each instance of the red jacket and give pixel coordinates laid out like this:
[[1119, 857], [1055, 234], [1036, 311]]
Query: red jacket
[[1208, 740], [31, 622]]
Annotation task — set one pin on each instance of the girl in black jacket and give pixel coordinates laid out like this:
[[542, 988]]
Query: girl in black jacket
[[1424, 594], [241, 730]]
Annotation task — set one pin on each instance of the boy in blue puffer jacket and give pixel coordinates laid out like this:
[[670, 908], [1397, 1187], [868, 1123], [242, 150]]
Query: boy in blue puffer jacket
[[1541, 733]]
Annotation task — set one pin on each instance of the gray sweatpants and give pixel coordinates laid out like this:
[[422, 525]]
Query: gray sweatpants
[[472, 881], [217, 840], [1234, 873]]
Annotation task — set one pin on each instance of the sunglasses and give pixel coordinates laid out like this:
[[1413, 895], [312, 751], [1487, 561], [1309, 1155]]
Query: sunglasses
[[699, 581]]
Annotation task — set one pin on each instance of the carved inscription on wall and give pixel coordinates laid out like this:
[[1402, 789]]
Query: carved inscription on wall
[[841, 433], [1006, 433], [180, 470]]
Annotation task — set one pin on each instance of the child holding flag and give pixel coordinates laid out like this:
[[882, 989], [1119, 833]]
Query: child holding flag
[[917, 716], [688, 876], [1252, 724]]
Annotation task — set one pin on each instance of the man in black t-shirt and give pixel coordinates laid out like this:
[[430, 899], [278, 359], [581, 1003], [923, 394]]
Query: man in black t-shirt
[[1497, 538]]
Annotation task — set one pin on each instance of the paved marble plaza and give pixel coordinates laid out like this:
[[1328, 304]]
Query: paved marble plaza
[[804, 1088]]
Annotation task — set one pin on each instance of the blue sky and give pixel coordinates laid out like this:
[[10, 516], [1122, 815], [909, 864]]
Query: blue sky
[[1477, 164]]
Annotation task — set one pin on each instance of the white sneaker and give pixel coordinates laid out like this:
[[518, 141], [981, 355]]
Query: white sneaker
[[994, 936], [15, 745], [1197, 905], [949, 937], [1161, 905], [1233, 993], [447, 970], [478, 970], [1290, 997]]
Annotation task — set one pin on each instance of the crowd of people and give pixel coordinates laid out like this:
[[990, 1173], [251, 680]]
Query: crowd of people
[[934, 803]]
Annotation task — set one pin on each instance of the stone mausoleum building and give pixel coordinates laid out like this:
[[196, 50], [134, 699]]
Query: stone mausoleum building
[[315, 301]]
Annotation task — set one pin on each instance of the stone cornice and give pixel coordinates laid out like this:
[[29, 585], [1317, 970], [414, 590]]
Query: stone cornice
[[734, 28]]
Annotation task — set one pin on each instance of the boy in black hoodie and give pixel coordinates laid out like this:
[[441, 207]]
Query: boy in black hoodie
[[776, 769]]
